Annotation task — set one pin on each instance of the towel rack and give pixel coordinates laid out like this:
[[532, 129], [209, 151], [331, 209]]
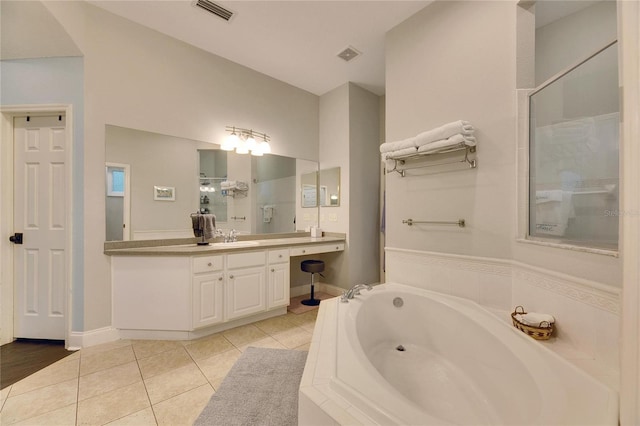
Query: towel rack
[[401, 160], [239, 217], [459, 222]]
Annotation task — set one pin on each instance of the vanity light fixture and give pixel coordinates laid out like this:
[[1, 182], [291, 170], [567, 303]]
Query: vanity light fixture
[[244, 141]]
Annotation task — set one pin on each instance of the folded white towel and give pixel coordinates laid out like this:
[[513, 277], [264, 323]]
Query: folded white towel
[[548, 196], [552, 215], [398, 145], [535, 319], [444, 132], [399, 153], [454, 141]]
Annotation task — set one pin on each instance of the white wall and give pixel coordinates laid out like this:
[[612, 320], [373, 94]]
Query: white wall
[[364, 181], [138, 78], [350, 139], [436, 75], [56, 81], [571, 39]]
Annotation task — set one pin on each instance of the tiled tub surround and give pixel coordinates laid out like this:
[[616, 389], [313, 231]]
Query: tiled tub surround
[[186, 291], [587, 313], [438, 359], [143, 382]]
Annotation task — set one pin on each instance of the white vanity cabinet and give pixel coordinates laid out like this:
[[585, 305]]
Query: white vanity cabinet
[[207, 284], [188, 292], [278, 273], [245, 290]]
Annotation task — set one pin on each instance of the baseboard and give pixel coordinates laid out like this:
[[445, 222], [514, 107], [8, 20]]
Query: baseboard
[[82, 339]]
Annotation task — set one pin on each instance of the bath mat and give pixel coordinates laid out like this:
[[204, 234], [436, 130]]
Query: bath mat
[[261, 389], [298, 308]]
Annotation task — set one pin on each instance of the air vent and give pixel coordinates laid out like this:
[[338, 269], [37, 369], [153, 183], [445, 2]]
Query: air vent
[[349, 53], [214, 8]]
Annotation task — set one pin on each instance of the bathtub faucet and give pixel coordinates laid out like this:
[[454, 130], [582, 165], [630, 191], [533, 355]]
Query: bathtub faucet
[[354, 291]]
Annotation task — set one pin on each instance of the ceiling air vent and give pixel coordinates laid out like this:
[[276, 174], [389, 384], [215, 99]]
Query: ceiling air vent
[[214, 8], [349, 53]]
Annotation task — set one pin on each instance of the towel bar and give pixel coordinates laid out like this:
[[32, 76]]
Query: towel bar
[[459, 222], [400, 161]]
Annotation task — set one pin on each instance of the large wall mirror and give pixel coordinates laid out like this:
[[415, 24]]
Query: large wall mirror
[[321, 188], [155, 182]]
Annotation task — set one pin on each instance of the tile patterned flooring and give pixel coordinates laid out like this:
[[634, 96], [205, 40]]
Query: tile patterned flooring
[[143, 382]]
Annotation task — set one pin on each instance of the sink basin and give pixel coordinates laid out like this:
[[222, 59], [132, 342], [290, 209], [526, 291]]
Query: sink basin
[[236, 244]]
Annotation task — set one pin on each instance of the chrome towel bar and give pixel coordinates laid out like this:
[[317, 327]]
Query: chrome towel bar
[[459, 222]]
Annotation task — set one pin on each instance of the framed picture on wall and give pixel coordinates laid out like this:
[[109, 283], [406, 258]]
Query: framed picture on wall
[[164, 193]]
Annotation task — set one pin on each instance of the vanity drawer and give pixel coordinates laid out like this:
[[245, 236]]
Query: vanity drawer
[[207, 264], [318, 248], [242, 260], [278, 256]]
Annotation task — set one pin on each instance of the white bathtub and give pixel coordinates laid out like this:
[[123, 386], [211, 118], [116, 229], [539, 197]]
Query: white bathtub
[[460, 365]]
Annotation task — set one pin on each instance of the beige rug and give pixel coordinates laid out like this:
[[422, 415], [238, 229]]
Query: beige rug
[[260, 390], [298, 308]]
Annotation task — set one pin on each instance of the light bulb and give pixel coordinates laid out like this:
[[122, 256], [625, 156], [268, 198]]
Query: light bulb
[[257, 151], [265, 147], [241, 148], [230, 143], [251, 143]]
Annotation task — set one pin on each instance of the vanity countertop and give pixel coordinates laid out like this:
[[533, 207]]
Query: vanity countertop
[[220, 248]]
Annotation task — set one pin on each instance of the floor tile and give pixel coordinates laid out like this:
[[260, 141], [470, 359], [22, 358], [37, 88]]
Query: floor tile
[[217, 382], [293, 338], [218, 365], [268, 342], [3, 395], [147, 348], [105, 359], [245, 334], [304, 347], [55, 373], [174, 382], [276, 324], [140, 418], [104, 381], [39, 401], [163, 362], [208, 346], [61, 416], [302, 319], [183, 409], [92, 350], [113, 405]]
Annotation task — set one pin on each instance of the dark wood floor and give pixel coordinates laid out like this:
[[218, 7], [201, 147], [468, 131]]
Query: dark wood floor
[[24, 357]]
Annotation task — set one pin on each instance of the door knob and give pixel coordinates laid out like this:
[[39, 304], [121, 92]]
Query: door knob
[[16, 238]]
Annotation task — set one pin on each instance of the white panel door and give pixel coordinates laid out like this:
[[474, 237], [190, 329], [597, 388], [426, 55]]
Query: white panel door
[[207, 299], [278, 285], [245, 292], [39, 214]]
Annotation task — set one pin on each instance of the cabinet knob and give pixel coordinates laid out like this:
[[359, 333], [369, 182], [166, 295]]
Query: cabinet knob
[[279, 255], [337, 247], [304, 251], [273, 270], [220, 279], [231, 276], [209, 264]]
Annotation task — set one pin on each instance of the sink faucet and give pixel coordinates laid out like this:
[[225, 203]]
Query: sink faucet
[[232, 237], [354, 291]]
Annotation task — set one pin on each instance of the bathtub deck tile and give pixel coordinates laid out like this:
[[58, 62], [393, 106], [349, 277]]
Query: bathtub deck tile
[[360, 416], [314, 395], [339, 414]]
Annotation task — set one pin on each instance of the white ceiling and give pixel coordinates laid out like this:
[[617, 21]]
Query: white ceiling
[[292, 41]]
